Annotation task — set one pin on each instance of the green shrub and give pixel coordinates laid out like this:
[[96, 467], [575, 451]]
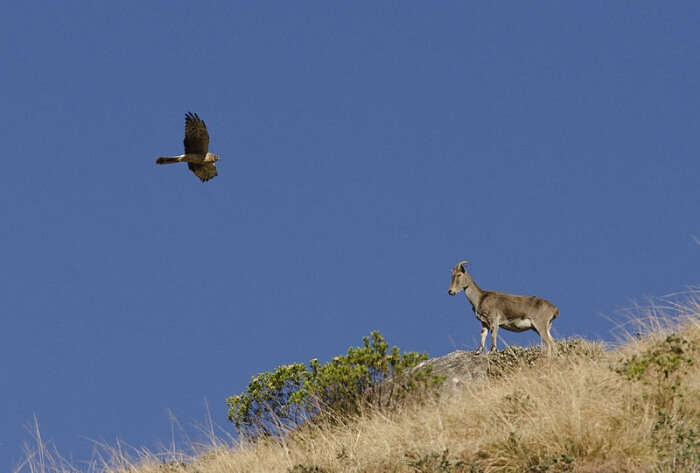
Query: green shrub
[[662, 370], [435, 463], [278, 401]]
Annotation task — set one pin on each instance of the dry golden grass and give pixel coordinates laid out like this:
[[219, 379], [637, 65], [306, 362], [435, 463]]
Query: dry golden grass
[[571, 413]]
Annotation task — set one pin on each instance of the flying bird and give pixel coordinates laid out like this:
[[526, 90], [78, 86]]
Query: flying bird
[[197, 155]]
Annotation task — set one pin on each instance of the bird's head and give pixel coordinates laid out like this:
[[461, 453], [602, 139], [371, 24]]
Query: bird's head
[[212, 157]]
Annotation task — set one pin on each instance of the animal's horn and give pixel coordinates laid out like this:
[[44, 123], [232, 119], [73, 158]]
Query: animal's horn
[[461, 264]]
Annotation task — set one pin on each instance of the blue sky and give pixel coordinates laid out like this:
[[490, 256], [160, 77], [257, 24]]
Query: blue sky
[[365, 148]]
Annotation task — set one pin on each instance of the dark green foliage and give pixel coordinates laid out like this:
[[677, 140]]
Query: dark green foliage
[[307, 469], [662, 369], [666, 358], [436, 463], [562, 463], [679, 441], [271, 401], [278, 401], [537, 463]]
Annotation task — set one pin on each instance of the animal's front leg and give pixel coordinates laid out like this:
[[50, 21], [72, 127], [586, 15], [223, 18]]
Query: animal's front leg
[[484, 331], [494, 337]]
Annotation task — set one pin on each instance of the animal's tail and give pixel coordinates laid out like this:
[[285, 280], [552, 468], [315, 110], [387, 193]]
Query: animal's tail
[[168, 160]]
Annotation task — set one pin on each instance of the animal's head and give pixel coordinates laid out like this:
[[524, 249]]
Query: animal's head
[[215, 157], [460, 278]]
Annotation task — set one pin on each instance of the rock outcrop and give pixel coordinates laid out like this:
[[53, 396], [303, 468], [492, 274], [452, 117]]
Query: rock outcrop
[[460, 368]]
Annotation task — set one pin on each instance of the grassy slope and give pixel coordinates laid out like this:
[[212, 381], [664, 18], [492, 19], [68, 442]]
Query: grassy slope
[[573, 413]]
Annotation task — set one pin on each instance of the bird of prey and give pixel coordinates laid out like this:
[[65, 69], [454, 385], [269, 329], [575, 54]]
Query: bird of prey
[[197, 155]]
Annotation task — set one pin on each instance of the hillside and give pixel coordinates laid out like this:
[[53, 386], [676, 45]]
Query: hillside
[[633, 408]]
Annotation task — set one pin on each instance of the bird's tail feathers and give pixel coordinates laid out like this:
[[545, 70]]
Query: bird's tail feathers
[[168, 159]]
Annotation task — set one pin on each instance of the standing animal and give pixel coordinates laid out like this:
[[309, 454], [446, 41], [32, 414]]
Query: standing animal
[[197, 155], [497, 309]]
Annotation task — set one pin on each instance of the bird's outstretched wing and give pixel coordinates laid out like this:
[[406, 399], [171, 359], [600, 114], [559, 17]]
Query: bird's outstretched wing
[[196, 136], [203, 171]]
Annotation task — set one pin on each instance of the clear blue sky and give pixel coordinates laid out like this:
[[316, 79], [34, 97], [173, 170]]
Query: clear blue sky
[[365, 148]]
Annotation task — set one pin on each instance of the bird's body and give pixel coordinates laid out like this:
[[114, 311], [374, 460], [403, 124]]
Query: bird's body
[[197, 156]]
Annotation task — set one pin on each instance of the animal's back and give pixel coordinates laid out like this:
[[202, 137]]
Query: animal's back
[[515, 305]]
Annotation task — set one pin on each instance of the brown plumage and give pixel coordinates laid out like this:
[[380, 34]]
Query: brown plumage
[[197, 156], [196, 136]]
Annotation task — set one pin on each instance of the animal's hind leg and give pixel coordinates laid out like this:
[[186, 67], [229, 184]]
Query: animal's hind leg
[[552, 343], [547, 339]]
